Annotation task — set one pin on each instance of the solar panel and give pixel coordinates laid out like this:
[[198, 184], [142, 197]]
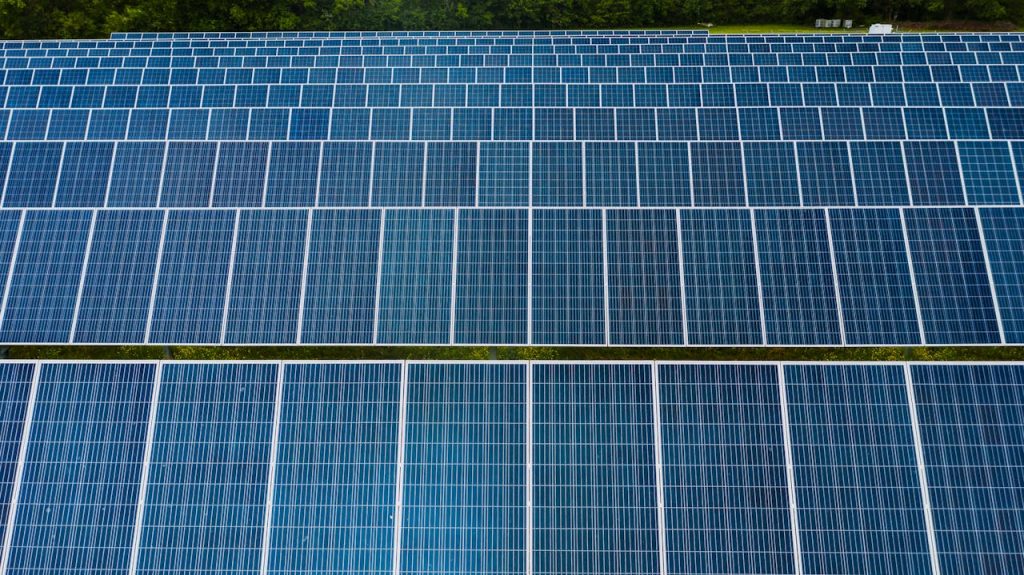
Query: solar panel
[[660, 120], [502, 467]]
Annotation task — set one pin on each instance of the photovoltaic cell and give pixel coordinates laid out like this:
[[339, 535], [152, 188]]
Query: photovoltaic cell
[[205, 502], [644, 301], [988, 173], [79, 492], [593, 467], [84, 174], [952, 283], [611, 174], [771, 174], [664, 174], [188, 306], [557, 174], [43, 286], [334, 488], [398, 174], [135, 177], [726, 500], [267, 275], [114, 304], [1004, 240], [857, 486], [720, 278], [825, 178], [341, 278], [32, 176], [188, 174], [345, 174], [874, 277], [970, 417], [292, 175], [241, 173], [416, 277], [504, 178], [491, 277], [798, 288], [464, 499], [568, 258], [717, 174], [879, 173]]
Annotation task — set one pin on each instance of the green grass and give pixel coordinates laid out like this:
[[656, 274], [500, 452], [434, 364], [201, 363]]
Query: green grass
[[325, 353]]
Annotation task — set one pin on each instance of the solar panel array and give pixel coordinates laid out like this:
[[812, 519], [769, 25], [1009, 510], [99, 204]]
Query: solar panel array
[[497, 188], [611, 468]]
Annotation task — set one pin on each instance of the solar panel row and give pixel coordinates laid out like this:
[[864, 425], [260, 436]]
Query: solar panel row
[[510, 174], [853, 276], [606, 468]]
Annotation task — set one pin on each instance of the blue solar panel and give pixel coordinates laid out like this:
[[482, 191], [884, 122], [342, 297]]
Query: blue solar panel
[[933, 174], [611, 174], [858, 492], [84, 175], [414, 301], [988, 173], [1003, 229], [873, 273], [949, 266], [717, 174], [720, 278], [188, 305], [292, 174], [398, 174], [593, 466], [341, 278], [644, 299], [204, 507], [32, 175], [568, 257], [135, 176], [44, 282], [504, 173], [825, 178], [334, 485], [345, 174], [464, 493], [188, 174], [80, 489], [114, 304], [14, 398], [726, 500], [264, 296], [491, 277], [771, 174], [663, 174], [879, 173], [799, 298], [970, 418], [241, 173], [451, 174], [557, 174]]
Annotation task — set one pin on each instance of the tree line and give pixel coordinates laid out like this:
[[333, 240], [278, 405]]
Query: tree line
[[97, 18]]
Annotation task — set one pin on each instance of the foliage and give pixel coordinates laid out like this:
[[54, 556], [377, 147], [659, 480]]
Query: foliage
[[97, 18]]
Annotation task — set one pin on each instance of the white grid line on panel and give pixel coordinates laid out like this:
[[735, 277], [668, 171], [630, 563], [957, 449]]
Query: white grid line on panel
[[853, 177], [604, 255], [380, 268], [988, 124], [319, 172], [396, 553], [110, 174], [492, 121], [529, 277], [156, 276], [288, 130], [757, 276], [423, 176], [7, 174], [682, 276], [659, 471], [991, 278], [906, 173], [656, 125], [960, 170], [835, 279], [529, 469], [455, 276], [926, 501], [1016, 176], [636, 164], [147, 458], [794, 519], [799, 177], [231, 274], [60, 172], [209, 123], [266, 174], [88, 119], [913, 279], [81, 278], [216, 166], [476, 178], [268, 510], [303, 280], [10, 268], [583, 171], [19, 470], [373, 165], [163, 174]]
